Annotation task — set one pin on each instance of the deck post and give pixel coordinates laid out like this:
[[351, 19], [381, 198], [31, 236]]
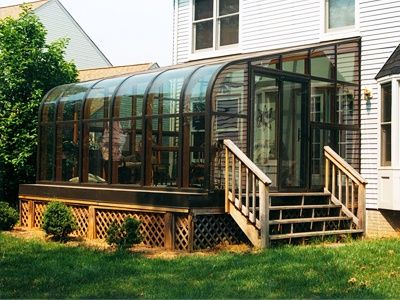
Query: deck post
[[92, 223], [191, 232], [169, 233], [264, 215], [361, 207], [31, 214]]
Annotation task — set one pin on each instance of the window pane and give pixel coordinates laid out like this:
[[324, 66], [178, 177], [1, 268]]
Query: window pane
[[323, 62], [321, 100], [228, 7], [46, 151], [96, 152], [68, 138], [164, 145], [49, 103], [129, 98], [97, 103], [271, 62], [165, 92], [386, 103], [347, 104], [295, 62], [204, 35], [386, 144], [70, 104], [348, 62], [203, 9], [349, 147], [229, 30], [127, 151], [195, 94], [319, 139], [341, 13]]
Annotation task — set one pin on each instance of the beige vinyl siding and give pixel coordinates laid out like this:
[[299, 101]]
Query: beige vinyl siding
[[81, 49]]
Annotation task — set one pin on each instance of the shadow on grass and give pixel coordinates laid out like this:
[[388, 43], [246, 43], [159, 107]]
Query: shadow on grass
[[39, 270]]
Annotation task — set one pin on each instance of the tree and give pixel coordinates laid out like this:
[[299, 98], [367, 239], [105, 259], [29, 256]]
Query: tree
[[29, 67]]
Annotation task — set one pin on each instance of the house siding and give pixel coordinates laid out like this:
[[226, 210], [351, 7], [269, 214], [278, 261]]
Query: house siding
[[60, 24], [267, 25]]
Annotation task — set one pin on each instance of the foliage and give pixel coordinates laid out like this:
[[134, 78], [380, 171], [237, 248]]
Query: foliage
[[125, 235], [368, 269], [29, 67], [8, 216], [58, 220]]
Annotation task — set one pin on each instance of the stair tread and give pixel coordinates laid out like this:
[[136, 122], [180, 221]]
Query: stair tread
[[307, 220], [305, 206], [313, 233], [297, 194]]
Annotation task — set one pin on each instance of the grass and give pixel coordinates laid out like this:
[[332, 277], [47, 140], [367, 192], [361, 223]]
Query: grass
[[361, 269]]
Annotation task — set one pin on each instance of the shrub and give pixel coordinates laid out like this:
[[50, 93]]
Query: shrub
[[58, 220], [125, 235], [8, 216]]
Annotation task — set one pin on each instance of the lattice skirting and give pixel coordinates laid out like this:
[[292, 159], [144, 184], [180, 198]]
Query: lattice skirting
[[171, 230]]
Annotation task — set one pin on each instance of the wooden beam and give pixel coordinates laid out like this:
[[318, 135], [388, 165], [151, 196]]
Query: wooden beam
[[92, 223], [169, 233]]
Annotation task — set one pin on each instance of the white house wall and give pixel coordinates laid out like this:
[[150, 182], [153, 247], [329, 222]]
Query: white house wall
[[271, 24], [60, 24]]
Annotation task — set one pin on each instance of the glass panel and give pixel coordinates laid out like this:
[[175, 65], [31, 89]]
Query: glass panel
[[228, 7], [386, 144], [194, 155], [319, 139], [165, 92], [129, 98], [97, 104], [264, 120], [323, 62], [347, 110], [295, 62], [341, 13], [195, 94], [290, 153], [204, 35], [49, 103], [349, 147], [229, 30], [230, 90], [69, 157], [321, 99], [46, 153], [203, 9], [127, 151], [271, 62], [70, 104], [96, 152], [348, 62], [165, 146], [386, 115]]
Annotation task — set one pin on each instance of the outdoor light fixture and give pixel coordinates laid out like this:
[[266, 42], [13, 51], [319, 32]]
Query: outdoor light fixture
[[366, 94]]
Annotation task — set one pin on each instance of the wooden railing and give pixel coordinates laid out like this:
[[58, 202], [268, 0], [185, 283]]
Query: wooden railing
[[247, 189], [346, 186]]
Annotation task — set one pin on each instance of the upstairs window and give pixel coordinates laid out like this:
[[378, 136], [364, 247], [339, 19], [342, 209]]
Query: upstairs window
[[215, 24], [340, 14]]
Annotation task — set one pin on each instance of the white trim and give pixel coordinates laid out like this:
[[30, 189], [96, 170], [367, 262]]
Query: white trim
[[338, 33]]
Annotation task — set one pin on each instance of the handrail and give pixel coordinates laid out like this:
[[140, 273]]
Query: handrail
[[350, 193], [243, 181]]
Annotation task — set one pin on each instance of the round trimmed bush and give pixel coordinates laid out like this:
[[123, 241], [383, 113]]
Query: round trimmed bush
[[8, 216], [58, 220], [125, 235]]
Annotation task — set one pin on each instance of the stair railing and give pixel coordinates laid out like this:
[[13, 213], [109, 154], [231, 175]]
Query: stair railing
[[243, 182], [346, 186]]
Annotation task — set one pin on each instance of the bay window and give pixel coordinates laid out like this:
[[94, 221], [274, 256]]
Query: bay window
[[215, 24]]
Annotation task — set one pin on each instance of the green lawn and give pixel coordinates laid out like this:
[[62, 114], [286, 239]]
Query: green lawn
[[362, 269]]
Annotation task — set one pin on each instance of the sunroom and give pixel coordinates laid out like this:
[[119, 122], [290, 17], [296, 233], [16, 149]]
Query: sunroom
[[152, 143]]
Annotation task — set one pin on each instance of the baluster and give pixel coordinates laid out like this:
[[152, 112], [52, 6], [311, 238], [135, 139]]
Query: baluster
[[253, 216], [233, 180], [347, 192], [226, 179], [352, 196], [333, 180], [327, 173], [246, 212], [240, 186], [340, 185]]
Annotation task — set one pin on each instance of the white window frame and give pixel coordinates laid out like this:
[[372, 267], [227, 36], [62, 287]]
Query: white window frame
[[341, 32], [216, 50]]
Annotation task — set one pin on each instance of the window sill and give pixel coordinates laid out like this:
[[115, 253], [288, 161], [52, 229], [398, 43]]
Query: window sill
[[214, 53], [339, 34]]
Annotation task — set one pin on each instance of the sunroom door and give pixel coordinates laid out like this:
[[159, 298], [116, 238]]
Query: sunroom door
[[279, 141]]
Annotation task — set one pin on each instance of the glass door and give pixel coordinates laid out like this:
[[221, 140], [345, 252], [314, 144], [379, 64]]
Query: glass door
[[280, 137]]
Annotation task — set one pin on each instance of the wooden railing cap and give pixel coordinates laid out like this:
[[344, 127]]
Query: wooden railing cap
[[245, 160], [340, 162]]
